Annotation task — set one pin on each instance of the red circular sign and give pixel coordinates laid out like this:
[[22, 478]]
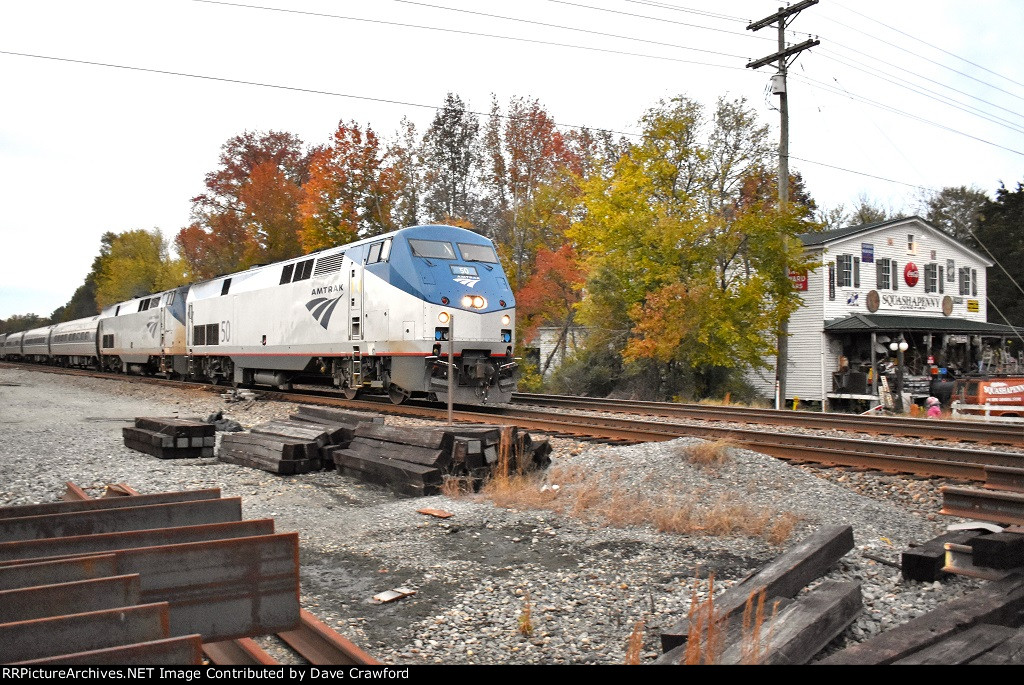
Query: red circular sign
[[910, 274]]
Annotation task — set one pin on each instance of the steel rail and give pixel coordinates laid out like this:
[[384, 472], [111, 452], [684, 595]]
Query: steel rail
[[987, 505], [894, 457], [930, 429]]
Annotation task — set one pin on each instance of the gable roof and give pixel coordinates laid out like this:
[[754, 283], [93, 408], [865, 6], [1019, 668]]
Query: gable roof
[[824, 238]]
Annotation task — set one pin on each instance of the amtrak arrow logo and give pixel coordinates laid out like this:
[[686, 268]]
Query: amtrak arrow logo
[[467, 281], [151, 326], [321, 308]]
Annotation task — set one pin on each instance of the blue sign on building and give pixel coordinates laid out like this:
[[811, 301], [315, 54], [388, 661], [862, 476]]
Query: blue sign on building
[[867, 253]]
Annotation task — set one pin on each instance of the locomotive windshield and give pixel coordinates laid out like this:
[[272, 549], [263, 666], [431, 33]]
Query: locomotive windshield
[[432, 249], [478, 253]]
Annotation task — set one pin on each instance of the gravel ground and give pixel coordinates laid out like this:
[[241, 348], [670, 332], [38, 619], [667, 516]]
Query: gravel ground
[[583, 584]]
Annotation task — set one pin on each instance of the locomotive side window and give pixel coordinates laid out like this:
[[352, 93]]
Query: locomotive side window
[[472, 252], [199, 335], [286, 273], [432, 249], [225, 287], [374, 255], [303, 270], [385, 250]]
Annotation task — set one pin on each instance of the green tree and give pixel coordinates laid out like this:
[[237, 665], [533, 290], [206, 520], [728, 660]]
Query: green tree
[[449, 159], [137, 264], [1000, 235], [956, 210]]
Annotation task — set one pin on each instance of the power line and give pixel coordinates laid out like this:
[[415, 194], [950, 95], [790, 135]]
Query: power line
[[861, 173], [689, 10], [464, 33], [890, 65], [895, 110], [295, 89], [931, 94], [936, 63], [566, 28], [661, 19], [936, 47]]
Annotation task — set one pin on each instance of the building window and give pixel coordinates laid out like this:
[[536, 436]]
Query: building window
[[911, 245], [849, 271], [931, 273], [885, 274], [965, 280]]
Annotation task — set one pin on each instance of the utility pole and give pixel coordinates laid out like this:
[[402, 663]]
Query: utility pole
[[779, 88]]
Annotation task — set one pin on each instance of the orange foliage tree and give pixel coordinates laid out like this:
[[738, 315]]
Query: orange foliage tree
[[550, 297]]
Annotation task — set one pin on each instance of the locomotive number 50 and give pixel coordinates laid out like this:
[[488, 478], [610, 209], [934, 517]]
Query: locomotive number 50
[[225, 331]]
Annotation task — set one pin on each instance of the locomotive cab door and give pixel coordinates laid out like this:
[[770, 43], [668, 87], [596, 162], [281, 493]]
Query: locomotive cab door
[[355, 300]]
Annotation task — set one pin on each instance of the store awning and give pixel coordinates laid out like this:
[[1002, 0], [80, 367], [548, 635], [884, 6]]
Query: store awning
[[926, 324]]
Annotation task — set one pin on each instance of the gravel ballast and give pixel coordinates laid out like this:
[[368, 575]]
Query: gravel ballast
[[582, 584]]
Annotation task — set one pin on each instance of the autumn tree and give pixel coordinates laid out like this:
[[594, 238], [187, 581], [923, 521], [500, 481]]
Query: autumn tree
[[522, 152], [138, 264], [249, 212], [686, 249], [550, 298], [352, 191], [403, 153], [449, 160]]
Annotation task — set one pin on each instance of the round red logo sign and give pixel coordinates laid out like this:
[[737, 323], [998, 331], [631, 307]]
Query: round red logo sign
[[910, 274]]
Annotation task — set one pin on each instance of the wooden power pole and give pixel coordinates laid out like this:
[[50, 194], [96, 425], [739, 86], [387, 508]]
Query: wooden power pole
[[782, 17]]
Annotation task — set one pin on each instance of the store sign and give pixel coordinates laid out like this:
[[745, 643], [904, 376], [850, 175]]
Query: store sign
[[972, 306], [910, 274], [915, 303], [798, 279], [867, 253]]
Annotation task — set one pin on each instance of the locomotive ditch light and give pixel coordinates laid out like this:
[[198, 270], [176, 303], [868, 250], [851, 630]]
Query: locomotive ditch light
[[444, 317], [506, 320]]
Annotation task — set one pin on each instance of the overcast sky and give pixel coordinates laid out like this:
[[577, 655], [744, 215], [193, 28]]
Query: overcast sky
[[86, 149]]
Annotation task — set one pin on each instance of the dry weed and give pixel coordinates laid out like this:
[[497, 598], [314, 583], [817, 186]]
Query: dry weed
[[704, 641], [526, 618], [707, 453], [635, 644], [456, 486]]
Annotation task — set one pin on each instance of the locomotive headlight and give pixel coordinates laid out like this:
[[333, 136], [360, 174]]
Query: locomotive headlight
[[467, 301], [443, 317], [506, 320], [479, 302]]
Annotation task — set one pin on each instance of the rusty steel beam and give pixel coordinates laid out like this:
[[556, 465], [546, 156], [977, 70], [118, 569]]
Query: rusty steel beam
[[170, 515], [173, 651], [241, 652], [320, 644], [74, 493], [64, 507], [222, 589], [54, 548], [1004, 478], [78, 597], [46, 637], [64, 571], [987, 505]]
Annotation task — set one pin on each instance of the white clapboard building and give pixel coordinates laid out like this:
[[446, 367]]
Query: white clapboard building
[[879, 284]]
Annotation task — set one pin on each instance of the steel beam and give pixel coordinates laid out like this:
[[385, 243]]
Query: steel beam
[[81, 596], [107, 542], [321, 645], [45, 637], [64, 571], [240, 652], [21, 510], [986, 505], [174, 651], [169, 515]]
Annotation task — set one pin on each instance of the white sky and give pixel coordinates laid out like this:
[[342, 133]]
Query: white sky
[[86, 149]]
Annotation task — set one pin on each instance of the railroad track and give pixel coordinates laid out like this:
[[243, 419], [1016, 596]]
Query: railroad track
[[958, 462], [931, 429]]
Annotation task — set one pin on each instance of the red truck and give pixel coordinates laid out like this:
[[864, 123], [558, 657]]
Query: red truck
[[1003, 395]]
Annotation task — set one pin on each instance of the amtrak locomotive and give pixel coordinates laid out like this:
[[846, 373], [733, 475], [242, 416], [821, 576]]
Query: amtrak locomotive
[[375, 315]]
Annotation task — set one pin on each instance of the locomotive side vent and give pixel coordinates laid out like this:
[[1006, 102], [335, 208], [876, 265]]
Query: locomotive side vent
[[329, 264]]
